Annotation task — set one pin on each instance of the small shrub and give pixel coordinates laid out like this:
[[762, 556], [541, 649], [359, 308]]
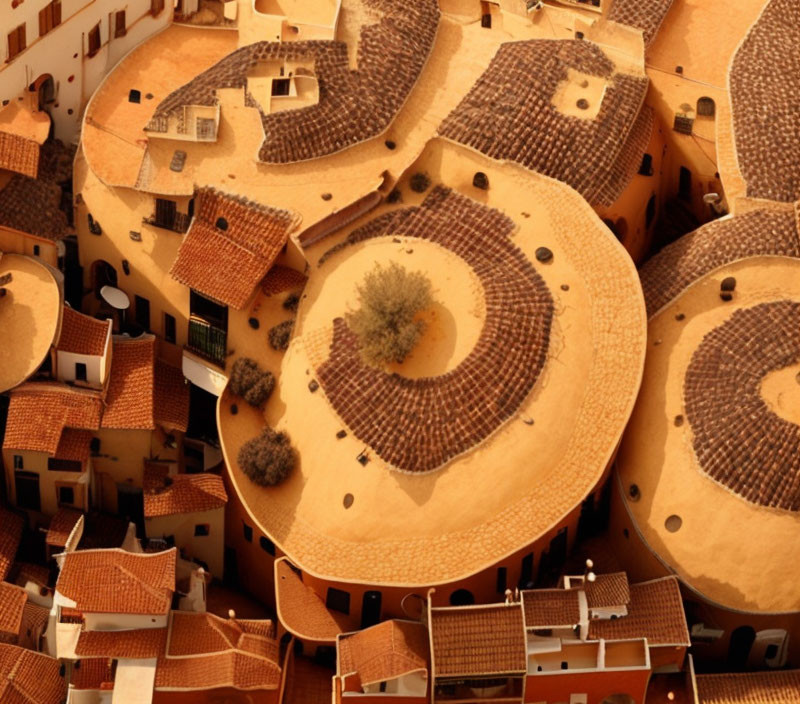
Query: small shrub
[[389, 300], [280, 334], [419, 182], [250, 382], [291, 302], [268, 458]]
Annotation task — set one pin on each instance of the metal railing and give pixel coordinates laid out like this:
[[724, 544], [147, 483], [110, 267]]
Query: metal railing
[[207, 341]]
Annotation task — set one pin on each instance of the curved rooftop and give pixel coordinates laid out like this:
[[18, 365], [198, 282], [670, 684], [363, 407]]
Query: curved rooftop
[[30, 316], [548, 434]]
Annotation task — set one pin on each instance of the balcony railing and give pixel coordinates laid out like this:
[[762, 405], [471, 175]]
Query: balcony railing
[[177, 223], [207, 341]]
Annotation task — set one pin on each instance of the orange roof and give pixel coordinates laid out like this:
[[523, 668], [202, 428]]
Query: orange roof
[[205, 652], [27, 677], [92, 673], [82, 334], [182, 493], [142, 391], [608, 590], [135, 644], [19, 154], [477, 640], [302, 612], [10, 534], [12, 606], [384, 652], [307, 682], [74, 445], [655, 612], [228, 262], [39, 412], [549, 608], [119, 582], [61, 526], [282, 278], [781, 687]]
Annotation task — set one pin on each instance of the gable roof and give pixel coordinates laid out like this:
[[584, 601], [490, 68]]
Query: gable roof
[[61, 525], [119, 582], [137, 644], [655, 612], [474, 641], [19, 154], [181, 493], [12, 606], [551, 608], [384, 652], [607, 590], [775, 687], [228, 263], [11, 525], [27, 677], [82, 334], [39, 412]]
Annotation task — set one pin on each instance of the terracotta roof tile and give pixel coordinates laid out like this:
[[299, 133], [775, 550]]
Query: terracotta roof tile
[[33, 206], [11, 526], [302, 612], [471, 641], [307, 682], [12, 606], [120, 582], [129, 400], [29, 572], [227, 264], [384, 652], [548, 608], [61, 526], [182, 493], [205, 651], [171, 403], [646, 15], [74, 445], [82, 334], [135, 644], [782, 687], [282, 278], [38, 413], [34, 618], [27, 677], [92, 673], [655, 612], [608, 590], [19, 154]]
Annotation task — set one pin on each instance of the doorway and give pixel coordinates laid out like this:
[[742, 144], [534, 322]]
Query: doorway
[[739, 647], [685, 184], [370, 609]]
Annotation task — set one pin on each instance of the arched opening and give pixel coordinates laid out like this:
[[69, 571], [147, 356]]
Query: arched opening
[[45, 87], [103, 274], [462, 597], [739, 647], [706, 107]]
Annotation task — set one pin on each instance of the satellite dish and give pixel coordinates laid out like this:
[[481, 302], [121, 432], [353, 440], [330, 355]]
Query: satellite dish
[[115, 298]]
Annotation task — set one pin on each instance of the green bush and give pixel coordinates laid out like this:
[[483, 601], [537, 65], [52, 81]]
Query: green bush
[[250, 382], [268, 458], [385, 324], [280, 334]]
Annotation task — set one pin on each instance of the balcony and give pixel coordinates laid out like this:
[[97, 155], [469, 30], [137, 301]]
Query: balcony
[[207, 342]]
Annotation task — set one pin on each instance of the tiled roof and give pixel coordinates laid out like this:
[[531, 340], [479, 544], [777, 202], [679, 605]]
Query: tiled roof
[[509, 114], [34, 618], [608, 590], [780, 687], [74, 445], [61, 526], [92, 673], [27, 677], [646, 15], [136, 644], [33, 206], [353, 106], [477, 640], [12, 606], [655, 612], [302, 612], [307, 682], [282, 278], [171, 402], [181, 493], [19, 154], [205, 652], [548, 608], [384, 652], [39, 412], [30, 572], [120, 582], [82, 334], [11, 526], [227, 264], [764, 109]]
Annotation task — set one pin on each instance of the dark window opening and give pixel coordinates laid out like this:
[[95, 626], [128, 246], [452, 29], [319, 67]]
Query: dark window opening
[[166, 213], [685, 184], [526, 573], [370, 608], [16, 41], [502, 580], [201, 530], [120, 30], [706, 107], [222, 223], [26, 485], [66, 495], [94, 40], [771, 652], [281, 86], [94, 446], [338, 600], [142, 312], [134, 96], [55, 464], [247, 531], [18, 462], [486, 20], [646, 167], [462, 597], [36, 250], [80, 371], [267, 545], [169, 328]]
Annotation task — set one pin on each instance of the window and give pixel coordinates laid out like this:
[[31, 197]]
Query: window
[[36, 250], [685, 184], [526, 573], [26, 485], [169, 328], [706, 107], [142, 312], [222, 224], [94, 40], [462, 597], [18, 462], [248, 532], [206, 128], [683, 124], [80, 371], [771, 652], [55, 464], [646, 167], [134, 96], [281, 86], [16, 41], [166, 211], [201, 530], [156, 6], [66, 495], [338, 600], [94, 446], [501, 580], [119, 25], [49, 17], [267, 545], [650, 213]]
